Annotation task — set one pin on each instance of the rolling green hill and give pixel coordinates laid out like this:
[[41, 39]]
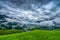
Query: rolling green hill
[[34, 35]]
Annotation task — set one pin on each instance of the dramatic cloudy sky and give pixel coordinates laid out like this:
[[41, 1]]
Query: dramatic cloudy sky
[[40, 12]]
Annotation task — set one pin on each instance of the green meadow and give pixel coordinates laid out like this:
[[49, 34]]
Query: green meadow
[[33, 35]]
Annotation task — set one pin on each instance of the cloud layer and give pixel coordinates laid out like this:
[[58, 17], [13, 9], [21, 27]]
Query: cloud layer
[[31, 12]]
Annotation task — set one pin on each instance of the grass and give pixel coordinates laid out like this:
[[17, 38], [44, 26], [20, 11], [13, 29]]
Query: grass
[[5, 32], [34, 35]]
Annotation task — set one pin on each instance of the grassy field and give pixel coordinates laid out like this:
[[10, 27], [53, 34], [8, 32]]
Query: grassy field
[[34, 35], [6, 32]]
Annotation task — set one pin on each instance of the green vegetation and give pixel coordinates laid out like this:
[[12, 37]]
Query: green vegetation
[[21, 34], [34, 35], [5, 32]]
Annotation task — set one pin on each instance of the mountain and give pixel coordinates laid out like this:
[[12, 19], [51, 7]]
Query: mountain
[[32, 12]]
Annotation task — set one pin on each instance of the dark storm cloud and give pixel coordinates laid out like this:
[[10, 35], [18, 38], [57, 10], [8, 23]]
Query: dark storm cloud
[[30, 11]]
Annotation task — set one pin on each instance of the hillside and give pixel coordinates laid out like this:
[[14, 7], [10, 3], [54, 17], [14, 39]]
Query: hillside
[[34, 35]]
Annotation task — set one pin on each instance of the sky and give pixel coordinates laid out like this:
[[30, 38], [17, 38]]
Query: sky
[[39, 12]]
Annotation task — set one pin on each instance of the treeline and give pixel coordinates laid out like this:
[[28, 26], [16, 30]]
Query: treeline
[[28, 28]]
